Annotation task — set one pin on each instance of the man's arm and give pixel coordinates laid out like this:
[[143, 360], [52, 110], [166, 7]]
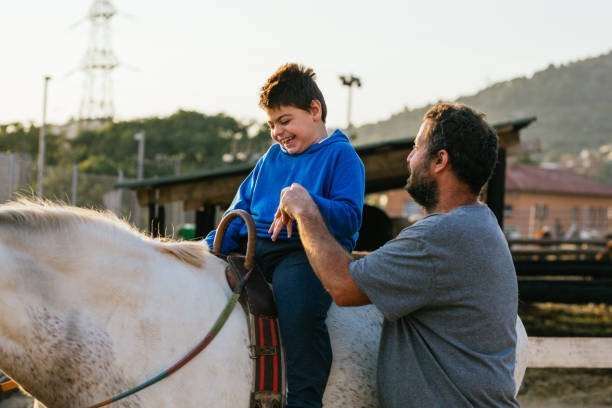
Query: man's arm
[[328, 258]]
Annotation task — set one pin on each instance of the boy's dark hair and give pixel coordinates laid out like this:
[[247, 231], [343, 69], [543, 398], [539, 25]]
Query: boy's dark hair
[[294, 85], [470, 141]]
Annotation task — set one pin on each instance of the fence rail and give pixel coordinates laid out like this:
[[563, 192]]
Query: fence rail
[[570, 352], [565, 271], [556, 250]]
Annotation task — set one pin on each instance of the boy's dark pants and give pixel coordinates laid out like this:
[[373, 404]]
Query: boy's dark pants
[[302, 306]]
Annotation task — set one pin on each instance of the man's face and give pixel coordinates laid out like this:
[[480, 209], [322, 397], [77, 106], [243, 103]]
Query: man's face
[[293, 128], [420, 184]]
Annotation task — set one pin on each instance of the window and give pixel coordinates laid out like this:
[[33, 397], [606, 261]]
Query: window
[[541, 212]]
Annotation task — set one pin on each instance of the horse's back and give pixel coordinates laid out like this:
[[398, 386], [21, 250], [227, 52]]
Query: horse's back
[[355, 336]]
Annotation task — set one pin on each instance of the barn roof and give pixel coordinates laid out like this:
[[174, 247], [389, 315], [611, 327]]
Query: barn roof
[[527, 178]]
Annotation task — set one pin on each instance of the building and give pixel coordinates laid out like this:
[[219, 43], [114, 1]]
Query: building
[[538, 201], [555, 202]]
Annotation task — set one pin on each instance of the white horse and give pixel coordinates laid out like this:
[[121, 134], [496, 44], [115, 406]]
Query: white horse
[[90, 308]]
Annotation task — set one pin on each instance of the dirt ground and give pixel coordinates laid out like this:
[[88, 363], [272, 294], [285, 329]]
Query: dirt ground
[[567, 387], [542, 387]]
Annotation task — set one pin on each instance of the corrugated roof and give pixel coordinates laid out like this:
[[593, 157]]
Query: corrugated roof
[[522, 177]]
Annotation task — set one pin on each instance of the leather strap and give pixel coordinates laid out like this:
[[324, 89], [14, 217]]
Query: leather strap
[[265, 348]]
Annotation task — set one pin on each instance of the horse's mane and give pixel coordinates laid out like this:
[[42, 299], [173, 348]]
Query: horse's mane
[[37, 216]]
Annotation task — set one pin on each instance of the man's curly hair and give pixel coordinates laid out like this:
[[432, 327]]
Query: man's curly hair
[[470, 141]]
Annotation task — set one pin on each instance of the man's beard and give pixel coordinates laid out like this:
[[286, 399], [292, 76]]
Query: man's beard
[[423, 189]]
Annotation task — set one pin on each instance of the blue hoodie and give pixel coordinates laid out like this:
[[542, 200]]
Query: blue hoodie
[[330, 170]]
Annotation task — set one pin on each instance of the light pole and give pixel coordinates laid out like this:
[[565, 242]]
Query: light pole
[[140, 137], [11, 175], [74, 188], [350, 80], [41, 142]]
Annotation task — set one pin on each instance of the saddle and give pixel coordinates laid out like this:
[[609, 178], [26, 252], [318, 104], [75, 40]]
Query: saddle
[[265, 346]]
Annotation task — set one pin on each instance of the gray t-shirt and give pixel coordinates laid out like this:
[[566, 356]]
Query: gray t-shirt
[[447, 289]]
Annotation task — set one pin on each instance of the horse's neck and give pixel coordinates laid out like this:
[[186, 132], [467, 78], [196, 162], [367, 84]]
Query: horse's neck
[[112, 316]]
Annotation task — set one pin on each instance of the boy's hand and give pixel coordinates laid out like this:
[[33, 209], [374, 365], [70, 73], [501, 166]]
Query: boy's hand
[[281, 219], [295, 200]]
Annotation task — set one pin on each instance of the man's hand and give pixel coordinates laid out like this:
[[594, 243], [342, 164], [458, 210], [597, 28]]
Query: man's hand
[[295, 200], [330, 262]]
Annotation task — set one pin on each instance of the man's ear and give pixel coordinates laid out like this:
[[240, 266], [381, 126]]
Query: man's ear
[[441, 161], [315, 109]]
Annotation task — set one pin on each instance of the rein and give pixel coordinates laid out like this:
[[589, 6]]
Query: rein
[[217, 326]]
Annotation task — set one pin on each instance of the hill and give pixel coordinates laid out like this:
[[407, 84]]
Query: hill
[[572, 102]]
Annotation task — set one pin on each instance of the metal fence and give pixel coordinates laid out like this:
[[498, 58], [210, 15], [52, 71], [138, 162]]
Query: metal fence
[[572, 222], [15, 174]]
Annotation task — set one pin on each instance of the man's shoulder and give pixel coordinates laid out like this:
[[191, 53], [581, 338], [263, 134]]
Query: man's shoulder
[[439, 228], [424, 225], [471, 216]]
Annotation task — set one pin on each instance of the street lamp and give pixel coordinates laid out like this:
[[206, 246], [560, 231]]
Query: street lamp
[[350, 80], [41, 142], [140, 137]]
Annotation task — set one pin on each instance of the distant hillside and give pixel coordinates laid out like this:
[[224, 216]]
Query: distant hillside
[[573, 104]]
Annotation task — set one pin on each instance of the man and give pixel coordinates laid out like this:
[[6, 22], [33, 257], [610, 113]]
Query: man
[[446, 285]]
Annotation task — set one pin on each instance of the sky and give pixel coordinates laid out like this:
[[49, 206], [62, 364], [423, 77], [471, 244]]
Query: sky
[[213, 56]]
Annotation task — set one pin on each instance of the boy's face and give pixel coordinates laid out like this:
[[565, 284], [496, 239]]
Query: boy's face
[[295, 129]]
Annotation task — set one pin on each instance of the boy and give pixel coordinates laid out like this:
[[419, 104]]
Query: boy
[[329, 168]]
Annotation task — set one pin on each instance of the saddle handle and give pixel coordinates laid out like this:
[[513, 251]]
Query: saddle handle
[[249, 260]]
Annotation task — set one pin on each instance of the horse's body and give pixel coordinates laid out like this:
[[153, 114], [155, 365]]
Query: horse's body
[[90, 308]]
